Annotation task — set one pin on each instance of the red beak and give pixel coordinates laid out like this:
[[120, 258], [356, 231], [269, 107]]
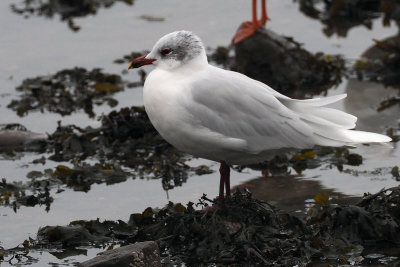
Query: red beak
[[140, 61]]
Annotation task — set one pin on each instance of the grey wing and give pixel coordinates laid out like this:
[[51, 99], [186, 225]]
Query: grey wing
[[237, 107]]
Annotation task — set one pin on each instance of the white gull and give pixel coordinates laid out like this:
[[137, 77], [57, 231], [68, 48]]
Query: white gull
[[228, 117]]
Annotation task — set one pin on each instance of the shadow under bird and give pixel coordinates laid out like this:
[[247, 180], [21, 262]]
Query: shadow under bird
[[228, 117]]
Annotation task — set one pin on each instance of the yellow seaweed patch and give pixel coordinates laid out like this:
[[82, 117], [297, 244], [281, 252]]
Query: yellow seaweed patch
[[63, 172], [179, 208], [303, 156], [322, 198], [106, 88]]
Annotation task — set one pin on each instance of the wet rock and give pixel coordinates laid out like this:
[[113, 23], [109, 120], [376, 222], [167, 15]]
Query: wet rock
[[339, 16], [67, 10], [71, 235], [17, 140], [67, 91], [15, 137], [267, 57], [79, 233], [140, 254]]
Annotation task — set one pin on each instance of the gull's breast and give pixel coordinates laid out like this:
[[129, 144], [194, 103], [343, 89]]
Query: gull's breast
[[161, 95]]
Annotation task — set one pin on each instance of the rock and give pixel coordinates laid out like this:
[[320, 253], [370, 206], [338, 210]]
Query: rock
[[15, 139], [137, 255], [284, 65], [68, 236]]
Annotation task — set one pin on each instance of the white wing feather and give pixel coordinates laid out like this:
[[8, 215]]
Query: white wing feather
[[231, 105]]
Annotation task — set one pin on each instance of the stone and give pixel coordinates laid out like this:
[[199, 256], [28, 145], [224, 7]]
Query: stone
[[139, 254], [284, 65]]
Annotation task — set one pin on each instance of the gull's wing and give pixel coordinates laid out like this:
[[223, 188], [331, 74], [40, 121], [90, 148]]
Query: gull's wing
[[235, 106]]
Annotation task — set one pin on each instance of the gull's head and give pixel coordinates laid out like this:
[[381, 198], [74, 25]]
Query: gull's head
[[174, 50]]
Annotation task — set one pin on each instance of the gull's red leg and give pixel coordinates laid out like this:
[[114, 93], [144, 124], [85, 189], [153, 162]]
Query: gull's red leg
[[248, 28], [221, 182], [224, 181], [226, 173], [264, 16], [254, 8]]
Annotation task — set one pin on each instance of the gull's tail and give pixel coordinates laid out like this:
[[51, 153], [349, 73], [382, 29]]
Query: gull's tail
[[331, 127]]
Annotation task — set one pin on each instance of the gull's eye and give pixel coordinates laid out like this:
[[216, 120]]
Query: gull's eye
[[165, 51]]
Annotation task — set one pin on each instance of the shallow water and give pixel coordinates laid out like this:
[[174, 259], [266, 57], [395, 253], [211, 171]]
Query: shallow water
[[40, 46]]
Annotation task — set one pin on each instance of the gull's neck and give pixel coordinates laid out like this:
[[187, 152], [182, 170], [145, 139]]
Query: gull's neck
[[198, 63]]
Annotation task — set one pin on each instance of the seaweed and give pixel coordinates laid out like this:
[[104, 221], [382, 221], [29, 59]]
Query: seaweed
[[126, 138], [29, 194], [244, 230], [126, 145], [67, 91], [381, 63], [339, 16], [66, 9]]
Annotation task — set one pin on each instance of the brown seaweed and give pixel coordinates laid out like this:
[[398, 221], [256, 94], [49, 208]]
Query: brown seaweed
[[247, 231], [67, 91], [66, 9], [381, 63], [339, 16]]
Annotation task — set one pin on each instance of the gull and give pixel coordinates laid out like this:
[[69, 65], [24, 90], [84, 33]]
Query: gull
[[230, 118]]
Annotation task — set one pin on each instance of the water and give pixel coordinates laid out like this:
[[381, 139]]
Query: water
[[40, 46]]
